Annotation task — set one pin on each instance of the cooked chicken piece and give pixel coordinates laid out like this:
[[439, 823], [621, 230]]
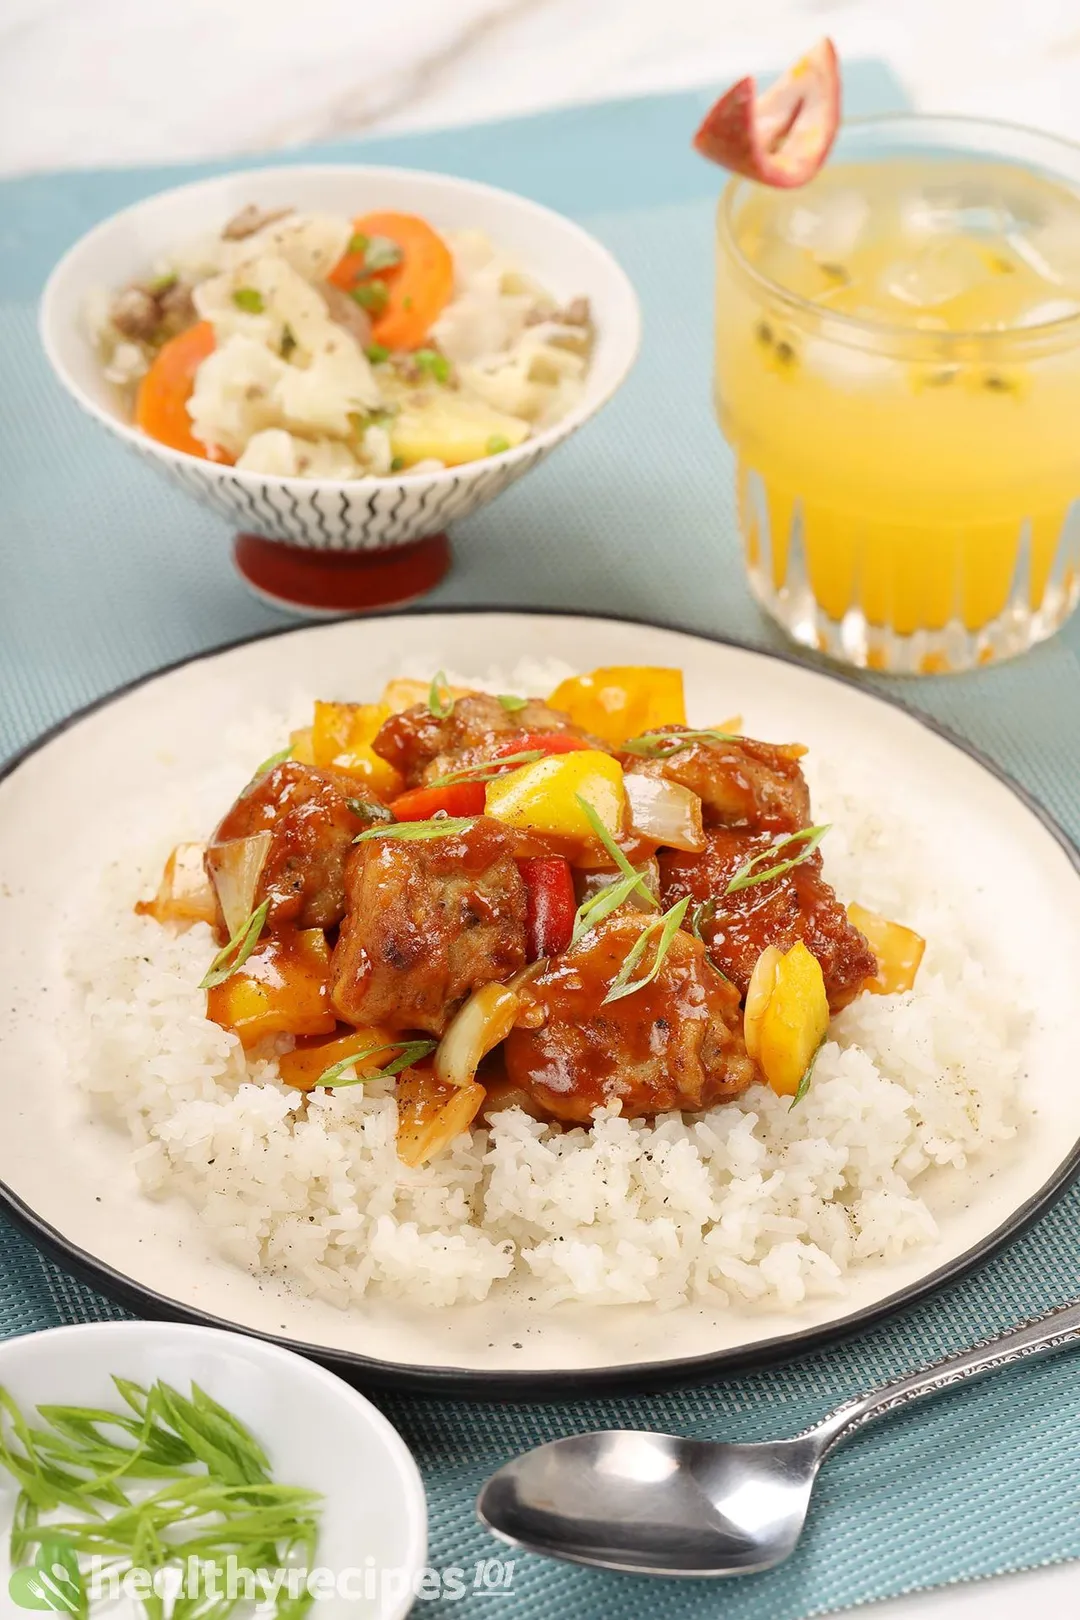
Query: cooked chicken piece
[[135, 314], [416, 739], [798, 905], [250, 219], [428, 921], [741, 783], [306, 812], [674, 1044]]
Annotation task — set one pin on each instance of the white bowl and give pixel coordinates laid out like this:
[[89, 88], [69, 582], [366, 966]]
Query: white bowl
[[359, 515], [316, 1431]]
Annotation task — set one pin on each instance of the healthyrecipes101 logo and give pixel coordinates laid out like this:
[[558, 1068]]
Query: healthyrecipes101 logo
[[61, 1588]]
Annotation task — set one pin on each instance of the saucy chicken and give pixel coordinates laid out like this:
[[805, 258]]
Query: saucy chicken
[[502, 901]]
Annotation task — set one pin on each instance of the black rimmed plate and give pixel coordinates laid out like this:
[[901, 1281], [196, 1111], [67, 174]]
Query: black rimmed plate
[[118, 776]]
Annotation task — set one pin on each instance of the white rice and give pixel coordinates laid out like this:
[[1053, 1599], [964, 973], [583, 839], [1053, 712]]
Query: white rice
[[752, 1204]]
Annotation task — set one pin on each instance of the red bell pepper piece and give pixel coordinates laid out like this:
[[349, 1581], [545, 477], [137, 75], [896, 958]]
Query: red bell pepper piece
[[782, 136], [541, 742], [551, 904], [454, 798]]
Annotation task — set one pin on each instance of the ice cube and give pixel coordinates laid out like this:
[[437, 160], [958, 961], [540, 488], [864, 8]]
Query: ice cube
[[940, 272], [829, 228]]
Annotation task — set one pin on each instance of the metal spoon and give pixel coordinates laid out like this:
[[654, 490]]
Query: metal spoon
[[656, 1504]]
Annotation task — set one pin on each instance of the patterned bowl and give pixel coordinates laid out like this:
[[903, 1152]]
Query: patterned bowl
[[325, 546]]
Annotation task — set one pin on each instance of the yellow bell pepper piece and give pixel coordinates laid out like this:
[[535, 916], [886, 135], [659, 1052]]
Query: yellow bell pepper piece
[[758, 991], [795, 1020], [543, 798], [623, 701], [899, 950], [403, 693], [302, 746], [304, 1064], [282, 988], [341, 738]]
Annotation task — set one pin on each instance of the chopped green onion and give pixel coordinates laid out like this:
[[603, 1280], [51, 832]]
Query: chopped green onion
[[659, 744], [411, 1052], [420, 831], [804, 1083], [700, 918], [380, 253], [396, 463], [162, 284], [602, 904], [511, 703], [372, 296], [236, 952], [667, 927], [440, 705], [377, 353], [497, 444], [748, 874], [288, 342], [616, 853], [275, 759], [358, 243], [487, 768], [434, 364], [370, 810], [249, 299]]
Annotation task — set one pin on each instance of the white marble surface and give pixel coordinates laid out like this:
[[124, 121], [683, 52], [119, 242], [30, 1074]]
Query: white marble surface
[[124, 81], [91, 82]]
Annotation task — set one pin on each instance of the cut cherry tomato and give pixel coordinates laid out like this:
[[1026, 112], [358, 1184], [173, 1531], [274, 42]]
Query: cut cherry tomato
[[551, 904], [782, 137], [541, 742], [453, 799]]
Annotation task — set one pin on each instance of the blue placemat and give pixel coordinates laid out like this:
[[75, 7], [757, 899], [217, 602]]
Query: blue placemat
[[106, 572]]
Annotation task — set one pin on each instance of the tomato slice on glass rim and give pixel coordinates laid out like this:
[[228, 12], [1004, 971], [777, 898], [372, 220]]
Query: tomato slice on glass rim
[[782, 136]]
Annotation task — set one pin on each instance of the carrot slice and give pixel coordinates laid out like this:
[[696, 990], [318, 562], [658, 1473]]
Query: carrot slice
[[418, 288], [161, 403]]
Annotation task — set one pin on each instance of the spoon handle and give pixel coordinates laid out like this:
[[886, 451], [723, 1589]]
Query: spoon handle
[[1039, 1336]]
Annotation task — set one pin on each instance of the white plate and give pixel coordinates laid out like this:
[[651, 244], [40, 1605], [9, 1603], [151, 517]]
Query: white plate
[[317, 1432], [74, 802]]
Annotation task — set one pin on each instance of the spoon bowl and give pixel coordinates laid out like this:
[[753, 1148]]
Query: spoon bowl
[[655, 1503]]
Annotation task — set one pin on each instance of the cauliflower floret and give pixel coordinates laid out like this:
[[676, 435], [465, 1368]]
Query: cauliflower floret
[[233, 396], [282, 455], [311, 243]]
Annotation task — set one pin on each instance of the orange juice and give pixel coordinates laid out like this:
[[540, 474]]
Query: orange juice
[[898, 373]]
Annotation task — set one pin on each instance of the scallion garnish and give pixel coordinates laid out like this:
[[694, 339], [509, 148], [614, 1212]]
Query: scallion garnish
[[249, 299], [410, 1052], [701, 916], [667, 740], [162, 284], [380, 253], [487, 768], [275, 759], [511, 703], [439, 702], [749, 873], [202, 1490], [236, 952], [358, 243], [666, 927], [377, 353], [397, 463], [370, 810], [602, 904], [371, 295], [808, 1074], [616, 853], [419, 831], [433, 365]]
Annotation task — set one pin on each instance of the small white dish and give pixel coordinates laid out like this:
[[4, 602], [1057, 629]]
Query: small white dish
[[336, 546], [317, 1432]]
